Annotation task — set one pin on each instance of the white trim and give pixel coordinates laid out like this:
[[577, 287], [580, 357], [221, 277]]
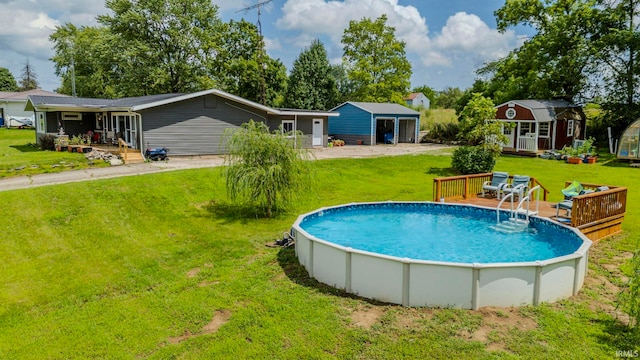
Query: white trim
[[570, 127]]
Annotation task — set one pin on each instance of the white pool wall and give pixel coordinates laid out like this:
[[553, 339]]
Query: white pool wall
[[440, 284]]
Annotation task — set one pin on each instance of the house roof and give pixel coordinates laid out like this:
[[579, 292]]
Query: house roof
[[145, 102], [23, 95], [543, 110], [412, 96], [381, 108]]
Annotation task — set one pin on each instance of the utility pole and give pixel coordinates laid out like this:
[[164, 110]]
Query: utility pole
[[263, 66]]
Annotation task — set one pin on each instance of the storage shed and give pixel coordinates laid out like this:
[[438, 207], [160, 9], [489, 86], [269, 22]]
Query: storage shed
[[374, 123], [629, 146], [541, 125]]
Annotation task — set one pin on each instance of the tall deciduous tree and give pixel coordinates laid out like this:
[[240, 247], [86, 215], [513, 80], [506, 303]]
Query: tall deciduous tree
[[164, 46], [375, 61], [243, 67], [29, 79], [93, 51], [7, 81], [311, 82]]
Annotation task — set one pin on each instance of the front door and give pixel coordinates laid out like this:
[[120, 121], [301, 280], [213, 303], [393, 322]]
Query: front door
[[318, 130]]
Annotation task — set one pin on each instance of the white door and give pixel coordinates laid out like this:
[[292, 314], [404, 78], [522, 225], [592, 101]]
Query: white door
[[317, 132]]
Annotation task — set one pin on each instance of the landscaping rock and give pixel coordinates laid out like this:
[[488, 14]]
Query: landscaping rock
[[115, 162]]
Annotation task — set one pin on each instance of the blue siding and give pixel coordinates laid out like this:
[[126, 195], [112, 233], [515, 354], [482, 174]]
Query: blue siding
[[352, 120]]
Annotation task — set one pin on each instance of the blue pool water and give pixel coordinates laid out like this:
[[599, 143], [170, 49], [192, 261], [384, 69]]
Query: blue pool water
[[438, 232]]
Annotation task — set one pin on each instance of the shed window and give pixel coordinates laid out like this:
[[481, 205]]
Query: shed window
[[526, 128], [569, 128], [543, 130]]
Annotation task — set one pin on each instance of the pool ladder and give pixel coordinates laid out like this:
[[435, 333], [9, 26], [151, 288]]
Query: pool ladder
[[518, 216]]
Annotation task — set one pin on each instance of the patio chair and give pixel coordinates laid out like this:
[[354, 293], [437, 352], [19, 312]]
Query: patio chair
[[566, 205], [498, 180], [574, 189], [518, 186]]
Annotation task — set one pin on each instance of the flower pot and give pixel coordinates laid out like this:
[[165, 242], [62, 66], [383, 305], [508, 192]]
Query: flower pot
[[574, 160], [591, 160]]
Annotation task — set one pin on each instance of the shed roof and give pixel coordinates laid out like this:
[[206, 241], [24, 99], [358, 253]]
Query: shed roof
[[381, 108], [543, 110]]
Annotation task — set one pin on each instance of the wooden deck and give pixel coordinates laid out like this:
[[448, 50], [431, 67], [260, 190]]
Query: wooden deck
[[597, 214], [545, 208]]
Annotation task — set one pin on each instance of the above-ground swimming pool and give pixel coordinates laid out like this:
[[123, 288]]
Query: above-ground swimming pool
[[440, 255]]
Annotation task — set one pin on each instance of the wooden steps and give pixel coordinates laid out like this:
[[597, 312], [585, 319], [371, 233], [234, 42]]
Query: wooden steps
[[132, 157]]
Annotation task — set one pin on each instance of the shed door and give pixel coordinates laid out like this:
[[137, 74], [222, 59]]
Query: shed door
[[318, 129]]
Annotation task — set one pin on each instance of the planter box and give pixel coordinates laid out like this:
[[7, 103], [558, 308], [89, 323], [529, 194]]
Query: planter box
[[574, 160], [590, 160]]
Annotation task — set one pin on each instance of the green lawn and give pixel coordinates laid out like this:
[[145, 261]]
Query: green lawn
[[162, 266], [19, 155]]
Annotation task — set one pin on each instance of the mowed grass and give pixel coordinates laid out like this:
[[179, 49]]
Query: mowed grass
[[19, 155], [162, 266]]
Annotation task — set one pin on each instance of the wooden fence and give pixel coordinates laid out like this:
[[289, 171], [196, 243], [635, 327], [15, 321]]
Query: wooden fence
[[468, 186], [599, 214]]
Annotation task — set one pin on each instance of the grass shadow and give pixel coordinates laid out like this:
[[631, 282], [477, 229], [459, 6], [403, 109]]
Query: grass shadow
[[619, 336], [238, 213], [298, 274], [441, 171], [26, 148]]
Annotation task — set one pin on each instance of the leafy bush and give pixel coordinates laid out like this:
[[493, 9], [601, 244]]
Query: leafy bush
[[47, 142], [629, 297], [473, 160], [444, 131]]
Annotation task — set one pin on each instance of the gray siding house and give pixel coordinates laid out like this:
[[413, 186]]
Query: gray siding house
[[375, 123], [187, 124]]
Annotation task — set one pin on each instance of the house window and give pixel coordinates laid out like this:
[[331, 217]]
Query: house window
[[506, 130], [569, 128], [543, 130], [510, 113], [288, 126]]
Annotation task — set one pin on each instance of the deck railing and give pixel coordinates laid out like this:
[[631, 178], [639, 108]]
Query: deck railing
[[591, 209], [468, 186]]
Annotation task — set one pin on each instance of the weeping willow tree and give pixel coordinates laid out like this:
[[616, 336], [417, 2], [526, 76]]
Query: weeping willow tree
[[263, 168]]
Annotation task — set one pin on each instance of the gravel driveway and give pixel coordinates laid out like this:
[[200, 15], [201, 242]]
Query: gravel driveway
[[193, 162]]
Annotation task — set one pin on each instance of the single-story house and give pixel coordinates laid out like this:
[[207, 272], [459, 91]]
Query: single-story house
[[375, 123], [12, 104], [541, 125], [187, 124], [418, 100]]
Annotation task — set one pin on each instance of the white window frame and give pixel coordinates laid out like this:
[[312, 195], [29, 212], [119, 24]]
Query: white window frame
[[569, 128], [507, 130], [546, 126], [524, 130], [288, 122]]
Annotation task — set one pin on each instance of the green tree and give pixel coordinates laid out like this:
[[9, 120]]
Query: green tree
[[7, 81], [375, 61], [264, 168], [243, 67], [447, 98], [311, 82], [93, 50], [162, 46], [29, 79], [478, 124]]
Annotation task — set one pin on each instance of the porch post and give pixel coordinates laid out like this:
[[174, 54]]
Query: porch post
[[518, 136]]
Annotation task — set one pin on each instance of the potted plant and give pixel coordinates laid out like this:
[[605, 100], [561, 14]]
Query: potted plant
[[573, 154], [589, 150]]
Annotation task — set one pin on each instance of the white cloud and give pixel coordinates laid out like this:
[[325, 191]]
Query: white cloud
[[467, 33]]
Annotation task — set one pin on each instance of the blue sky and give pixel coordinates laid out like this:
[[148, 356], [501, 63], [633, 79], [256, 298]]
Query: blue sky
[[446, 41]]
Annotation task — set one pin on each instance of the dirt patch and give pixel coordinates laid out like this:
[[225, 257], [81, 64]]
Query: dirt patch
[[219, 318], [366, 317], [496, 324], [193, 273]]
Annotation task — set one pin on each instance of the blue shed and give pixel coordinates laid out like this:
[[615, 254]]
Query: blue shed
[[374, 123]]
